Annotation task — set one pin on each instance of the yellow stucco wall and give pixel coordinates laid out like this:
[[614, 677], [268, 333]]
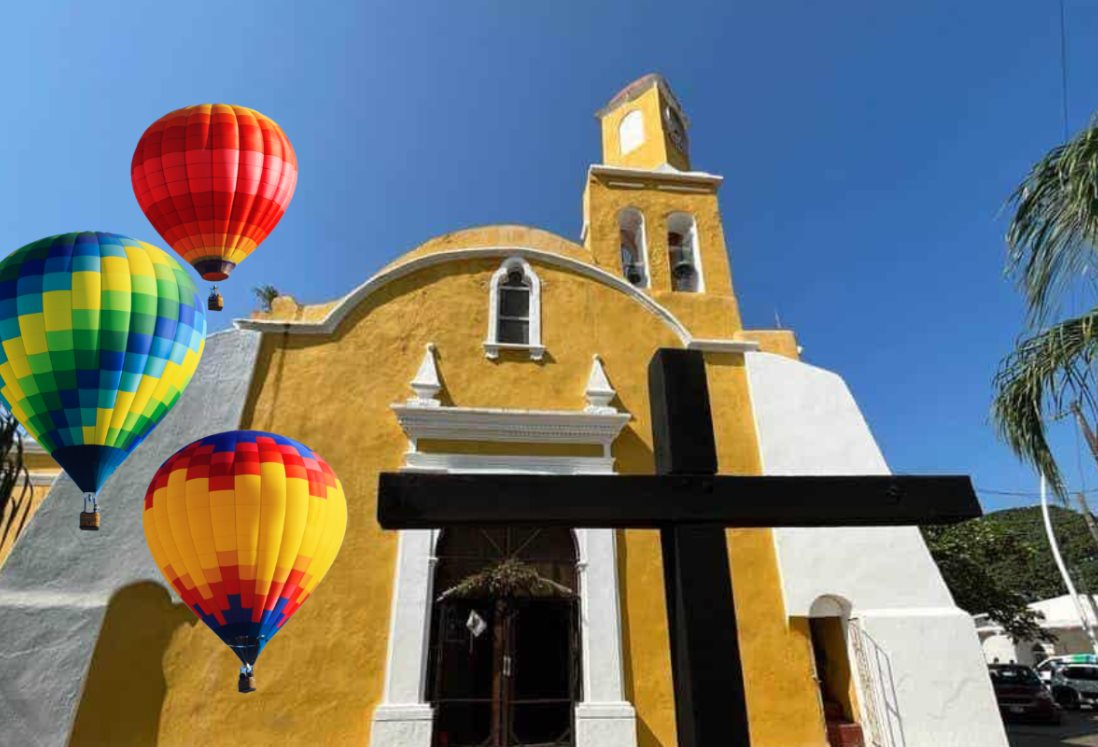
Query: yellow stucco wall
[[320, 679], [19, 511], [713, 313], [17, 515]]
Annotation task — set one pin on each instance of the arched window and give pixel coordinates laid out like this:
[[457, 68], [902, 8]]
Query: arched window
[[514, 310], [631, 131], [634, 250], [683, 253]]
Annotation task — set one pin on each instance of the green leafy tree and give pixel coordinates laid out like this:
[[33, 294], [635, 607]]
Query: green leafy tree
[[970, 556], [1053, 245]]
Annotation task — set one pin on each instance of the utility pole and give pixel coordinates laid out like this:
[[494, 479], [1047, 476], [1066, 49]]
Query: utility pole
[[1084, 426]]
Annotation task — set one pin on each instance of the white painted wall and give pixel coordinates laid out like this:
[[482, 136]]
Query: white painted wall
[[1060, 617], [808, 423]]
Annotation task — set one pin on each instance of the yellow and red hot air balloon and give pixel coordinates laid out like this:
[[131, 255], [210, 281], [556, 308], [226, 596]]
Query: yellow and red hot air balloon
[[244, 525], [214, 180]]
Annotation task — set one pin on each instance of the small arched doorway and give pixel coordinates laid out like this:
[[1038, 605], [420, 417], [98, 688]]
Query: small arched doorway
[[504, 656]]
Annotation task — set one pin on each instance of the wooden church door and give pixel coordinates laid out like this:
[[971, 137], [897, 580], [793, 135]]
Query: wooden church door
[[505, 639]]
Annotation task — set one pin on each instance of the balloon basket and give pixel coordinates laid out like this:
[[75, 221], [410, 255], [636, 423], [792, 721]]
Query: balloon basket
[[89, 517], [245, 683], [89, 521], [215, 302]]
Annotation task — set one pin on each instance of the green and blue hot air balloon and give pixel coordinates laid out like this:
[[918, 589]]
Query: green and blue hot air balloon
[[99, 335]]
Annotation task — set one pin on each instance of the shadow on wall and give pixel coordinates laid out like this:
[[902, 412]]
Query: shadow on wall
[[125, 688]]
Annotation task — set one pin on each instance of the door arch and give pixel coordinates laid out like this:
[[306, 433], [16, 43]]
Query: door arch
[[504, 668]]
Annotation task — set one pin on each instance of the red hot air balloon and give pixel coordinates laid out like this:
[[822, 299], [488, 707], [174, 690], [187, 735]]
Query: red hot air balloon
[[214, 180]]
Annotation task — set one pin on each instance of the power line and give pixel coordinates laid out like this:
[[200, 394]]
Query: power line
[[1026, 493]]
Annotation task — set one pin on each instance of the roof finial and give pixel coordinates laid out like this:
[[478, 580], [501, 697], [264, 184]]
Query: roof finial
[[599, 393], [426, 384]]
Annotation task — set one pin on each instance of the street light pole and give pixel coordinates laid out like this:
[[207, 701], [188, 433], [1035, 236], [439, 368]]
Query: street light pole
[[1083, 621]]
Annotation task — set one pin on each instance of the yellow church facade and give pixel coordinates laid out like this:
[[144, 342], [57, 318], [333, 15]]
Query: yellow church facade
[[510, 349]]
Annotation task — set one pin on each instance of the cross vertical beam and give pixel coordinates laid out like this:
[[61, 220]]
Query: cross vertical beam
[[710, 704]]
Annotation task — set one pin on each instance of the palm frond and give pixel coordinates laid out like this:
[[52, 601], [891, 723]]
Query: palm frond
[[265, 294], [1041, 378], [508, 578], [1052, 237]]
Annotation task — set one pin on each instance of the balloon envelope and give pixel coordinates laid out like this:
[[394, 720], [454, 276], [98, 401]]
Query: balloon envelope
[[214, 180], [99, 335], [244, 525]]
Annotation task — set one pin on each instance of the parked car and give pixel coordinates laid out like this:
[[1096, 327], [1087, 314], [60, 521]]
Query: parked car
[[1021, 694], [1048, 667], [1076, 685]]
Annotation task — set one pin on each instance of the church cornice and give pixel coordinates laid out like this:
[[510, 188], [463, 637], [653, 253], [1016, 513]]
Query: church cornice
[[329, 324], [670, 178]]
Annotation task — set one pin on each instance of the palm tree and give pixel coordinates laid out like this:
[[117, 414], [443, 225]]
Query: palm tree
[[1052, 243], [265, 294]]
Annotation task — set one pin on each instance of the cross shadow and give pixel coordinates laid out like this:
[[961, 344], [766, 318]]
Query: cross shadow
[[124, 689]]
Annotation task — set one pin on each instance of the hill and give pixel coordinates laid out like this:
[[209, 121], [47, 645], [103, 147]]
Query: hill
[[1036, 577]]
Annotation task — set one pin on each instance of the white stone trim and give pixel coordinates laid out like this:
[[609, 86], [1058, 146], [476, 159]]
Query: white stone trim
[[426, 383], [339, 312], [513, 426], [492, 345], [678, 188], [722, 346], [509, 464], [492, 349], [42, 479], [599, 393], [687, 177], [603, 718]]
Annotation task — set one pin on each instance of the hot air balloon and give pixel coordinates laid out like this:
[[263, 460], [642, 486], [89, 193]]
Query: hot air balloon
[[244, 525], [214, 180], [99, 335]]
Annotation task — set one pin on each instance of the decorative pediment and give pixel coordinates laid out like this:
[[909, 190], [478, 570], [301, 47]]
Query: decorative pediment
[[514, 426], [424, 417]]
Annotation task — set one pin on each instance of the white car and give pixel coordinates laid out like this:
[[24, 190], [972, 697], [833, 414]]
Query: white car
[[1075, 685], [1051, 665]]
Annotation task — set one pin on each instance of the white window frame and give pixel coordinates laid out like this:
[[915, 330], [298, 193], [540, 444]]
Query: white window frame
[[642, 242], [695, 246], [492, 345], [603, 717]]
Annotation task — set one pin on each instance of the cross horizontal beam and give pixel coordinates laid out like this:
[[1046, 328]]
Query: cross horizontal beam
[[429, 500]]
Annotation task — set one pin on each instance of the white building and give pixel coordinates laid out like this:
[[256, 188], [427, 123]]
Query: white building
[[1061, 618]]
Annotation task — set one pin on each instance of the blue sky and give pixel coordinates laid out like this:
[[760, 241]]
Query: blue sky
[[867, 149]]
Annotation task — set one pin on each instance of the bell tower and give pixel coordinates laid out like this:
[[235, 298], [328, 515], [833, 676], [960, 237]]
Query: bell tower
[[651, 219]]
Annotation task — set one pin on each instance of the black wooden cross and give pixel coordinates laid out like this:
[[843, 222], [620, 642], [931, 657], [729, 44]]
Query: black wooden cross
[[691, 506]]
